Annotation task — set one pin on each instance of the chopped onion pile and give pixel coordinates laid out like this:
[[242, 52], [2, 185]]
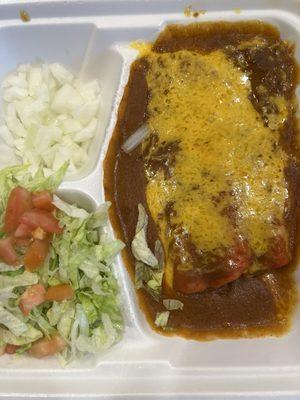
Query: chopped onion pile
[[49, 117]]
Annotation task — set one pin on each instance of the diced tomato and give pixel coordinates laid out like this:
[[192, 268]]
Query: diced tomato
[[11, 348], [46, 347], [19, 201], [59, 292], [32, 297], [43, 200], [7, 251], [23, 231], [20, 242], [39, 218], [36, 254]]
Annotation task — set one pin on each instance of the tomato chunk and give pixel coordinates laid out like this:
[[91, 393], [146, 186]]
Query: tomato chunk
[[23, 231], [46, 347], [19, 201], [43, 200], [7, 251], [39, 218], [32, 297], [11, 348], [36, 254], [59, 292]]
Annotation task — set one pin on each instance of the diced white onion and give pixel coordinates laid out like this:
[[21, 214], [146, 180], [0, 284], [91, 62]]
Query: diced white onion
[[60, 73], [7, 155], [6, 136], [49, 117], [135, 139], [86, 133], [14, 93]]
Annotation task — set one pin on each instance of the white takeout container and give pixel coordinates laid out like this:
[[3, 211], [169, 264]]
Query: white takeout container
[[92, 38]]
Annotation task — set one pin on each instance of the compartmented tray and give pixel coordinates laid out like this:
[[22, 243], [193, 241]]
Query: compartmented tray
[[93, 39]]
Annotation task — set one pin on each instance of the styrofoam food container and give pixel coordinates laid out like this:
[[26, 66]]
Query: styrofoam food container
[[92, 38]]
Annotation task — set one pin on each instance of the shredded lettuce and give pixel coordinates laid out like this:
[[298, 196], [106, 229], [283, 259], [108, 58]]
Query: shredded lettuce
[[14, 324], [41, 182], [173, 304], [101, 339], [82, 320], [159, 254], [22, 349], [139, 244], [88, 267], [69, 209], [6, 294], [108, 249], [149, 279], [88, 308], [8, 268], [99, 217], [139, 274], [64, 324], [55, 312], [82, 256], [148, 267], [162, 318], [38, 316], [31, 335], [11, 282]]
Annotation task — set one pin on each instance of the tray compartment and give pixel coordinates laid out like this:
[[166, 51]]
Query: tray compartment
[[143, 361]]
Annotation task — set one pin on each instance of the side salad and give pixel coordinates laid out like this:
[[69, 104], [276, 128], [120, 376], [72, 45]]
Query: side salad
[[58, 294]]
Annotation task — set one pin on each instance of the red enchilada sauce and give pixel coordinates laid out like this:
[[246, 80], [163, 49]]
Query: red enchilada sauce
[[256, 304]]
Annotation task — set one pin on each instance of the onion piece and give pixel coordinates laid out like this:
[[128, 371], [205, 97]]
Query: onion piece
[[135, 139]]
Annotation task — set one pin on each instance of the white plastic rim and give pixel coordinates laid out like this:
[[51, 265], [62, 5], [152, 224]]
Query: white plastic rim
[[92, 38]]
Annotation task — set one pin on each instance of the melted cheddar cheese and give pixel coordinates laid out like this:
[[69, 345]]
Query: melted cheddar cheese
[[227, 180]]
